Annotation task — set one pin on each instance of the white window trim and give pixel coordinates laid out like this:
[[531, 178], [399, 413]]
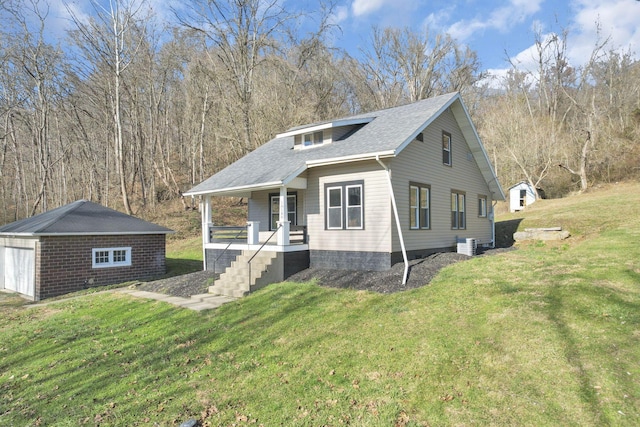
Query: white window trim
[[111, 262], [329, 207], [345, 207], [417, 210], [459, 209], [482, 206], [447, 149]]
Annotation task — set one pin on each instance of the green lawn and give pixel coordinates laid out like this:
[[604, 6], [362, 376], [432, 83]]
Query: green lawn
[[546, 335]]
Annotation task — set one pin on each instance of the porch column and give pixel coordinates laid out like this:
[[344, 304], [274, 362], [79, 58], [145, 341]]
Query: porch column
[[205, 212], [283, 219]]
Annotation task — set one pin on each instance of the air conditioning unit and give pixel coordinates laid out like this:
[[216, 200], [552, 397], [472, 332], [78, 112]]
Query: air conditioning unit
[[467, 246]]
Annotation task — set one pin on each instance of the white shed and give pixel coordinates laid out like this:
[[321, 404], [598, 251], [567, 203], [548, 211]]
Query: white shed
[[521, 195]]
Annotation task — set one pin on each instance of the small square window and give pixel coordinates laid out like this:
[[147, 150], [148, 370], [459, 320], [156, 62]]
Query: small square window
[[101, 257]]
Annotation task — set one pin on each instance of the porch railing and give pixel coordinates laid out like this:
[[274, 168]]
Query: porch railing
[[219, 234], [298, 234], [227, 234]]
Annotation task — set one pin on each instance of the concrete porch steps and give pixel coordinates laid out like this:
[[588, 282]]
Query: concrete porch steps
[[234, 282]]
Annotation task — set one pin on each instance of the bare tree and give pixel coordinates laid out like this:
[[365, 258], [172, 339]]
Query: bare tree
[[240, 34], [404, 65], [109, 39]]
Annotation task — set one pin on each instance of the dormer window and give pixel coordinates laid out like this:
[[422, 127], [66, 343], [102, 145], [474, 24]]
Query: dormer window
[[314, 138], [309, 139], [324, 133]]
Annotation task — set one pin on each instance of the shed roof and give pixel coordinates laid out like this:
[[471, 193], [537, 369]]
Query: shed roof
[[386, 133], [81, 217]]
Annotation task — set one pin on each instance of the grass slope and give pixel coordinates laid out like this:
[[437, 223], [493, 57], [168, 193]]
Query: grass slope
[[545, 335]]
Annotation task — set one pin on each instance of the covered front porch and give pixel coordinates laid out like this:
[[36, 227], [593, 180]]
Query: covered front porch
[[274, 225]]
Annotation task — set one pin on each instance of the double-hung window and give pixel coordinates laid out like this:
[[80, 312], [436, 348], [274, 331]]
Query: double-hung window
[[446, 148], [482, 206], [111, 257], [345, 206], [419, 205], [458, 217]]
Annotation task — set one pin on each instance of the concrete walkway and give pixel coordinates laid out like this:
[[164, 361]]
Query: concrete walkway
[[196, 302]]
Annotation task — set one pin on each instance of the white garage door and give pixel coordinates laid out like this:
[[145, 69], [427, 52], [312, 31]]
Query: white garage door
[[19, 270]]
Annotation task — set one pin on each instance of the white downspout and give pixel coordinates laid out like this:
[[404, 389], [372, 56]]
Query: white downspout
[[397, 218], [493, 224]]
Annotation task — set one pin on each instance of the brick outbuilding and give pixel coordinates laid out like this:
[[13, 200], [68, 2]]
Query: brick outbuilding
[[77, 246]]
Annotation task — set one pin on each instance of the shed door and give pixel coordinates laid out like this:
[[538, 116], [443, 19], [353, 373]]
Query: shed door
[[19, 270]]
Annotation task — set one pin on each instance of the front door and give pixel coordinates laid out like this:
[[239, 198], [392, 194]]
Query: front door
[[274, 209]]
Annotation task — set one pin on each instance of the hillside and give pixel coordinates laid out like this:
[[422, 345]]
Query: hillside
[[543, 335]]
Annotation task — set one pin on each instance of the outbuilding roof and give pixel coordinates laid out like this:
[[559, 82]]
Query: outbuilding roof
[[385, 134], [81, 217]]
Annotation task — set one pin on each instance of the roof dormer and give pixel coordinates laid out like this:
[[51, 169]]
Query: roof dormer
[[324, 133]]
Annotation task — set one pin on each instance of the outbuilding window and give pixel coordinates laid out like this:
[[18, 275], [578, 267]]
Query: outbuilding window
[[111, 257]]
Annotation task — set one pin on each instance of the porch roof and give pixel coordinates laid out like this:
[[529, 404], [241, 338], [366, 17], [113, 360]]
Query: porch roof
[[386, 133]]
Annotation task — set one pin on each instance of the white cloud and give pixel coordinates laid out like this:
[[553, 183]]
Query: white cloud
[[618, 21], [502, 19], [340, 14], [592, 22], [364, 7]]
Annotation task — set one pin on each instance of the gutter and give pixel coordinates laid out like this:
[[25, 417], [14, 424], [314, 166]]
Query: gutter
[[397, 218]]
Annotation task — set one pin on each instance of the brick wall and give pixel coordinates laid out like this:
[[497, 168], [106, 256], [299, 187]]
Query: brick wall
[[63, 264]]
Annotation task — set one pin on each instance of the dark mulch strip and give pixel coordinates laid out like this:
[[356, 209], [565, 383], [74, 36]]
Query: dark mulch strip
[[421, 272], [181, 286]]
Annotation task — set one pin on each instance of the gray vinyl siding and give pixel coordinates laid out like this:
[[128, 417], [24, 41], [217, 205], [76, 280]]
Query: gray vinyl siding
[[421, 162], [375, 236]]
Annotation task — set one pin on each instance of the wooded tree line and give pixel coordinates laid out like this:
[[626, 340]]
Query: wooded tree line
[[129, 111]]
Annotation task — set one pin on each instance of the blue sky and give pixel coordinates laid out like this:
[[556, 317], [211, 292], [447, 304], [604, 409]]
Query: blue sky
[[493, 28], [498, 29]]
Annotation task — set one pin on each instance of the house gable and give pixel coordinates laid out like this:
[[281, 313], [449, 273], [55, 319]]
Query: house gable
[[421, 164]]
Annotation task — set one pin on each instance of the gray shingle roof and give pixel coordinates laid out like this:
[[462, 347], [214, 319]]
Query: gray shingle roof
[[276, 163], [82, 217]]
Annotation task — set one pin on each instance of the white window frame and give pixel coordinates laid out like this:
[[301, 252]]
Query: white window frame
[[458, 210], [482, 206], [111, 256], [446, 148], [344, 208], [312, 138], [359, 206], [422, 195], [339, 208]]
